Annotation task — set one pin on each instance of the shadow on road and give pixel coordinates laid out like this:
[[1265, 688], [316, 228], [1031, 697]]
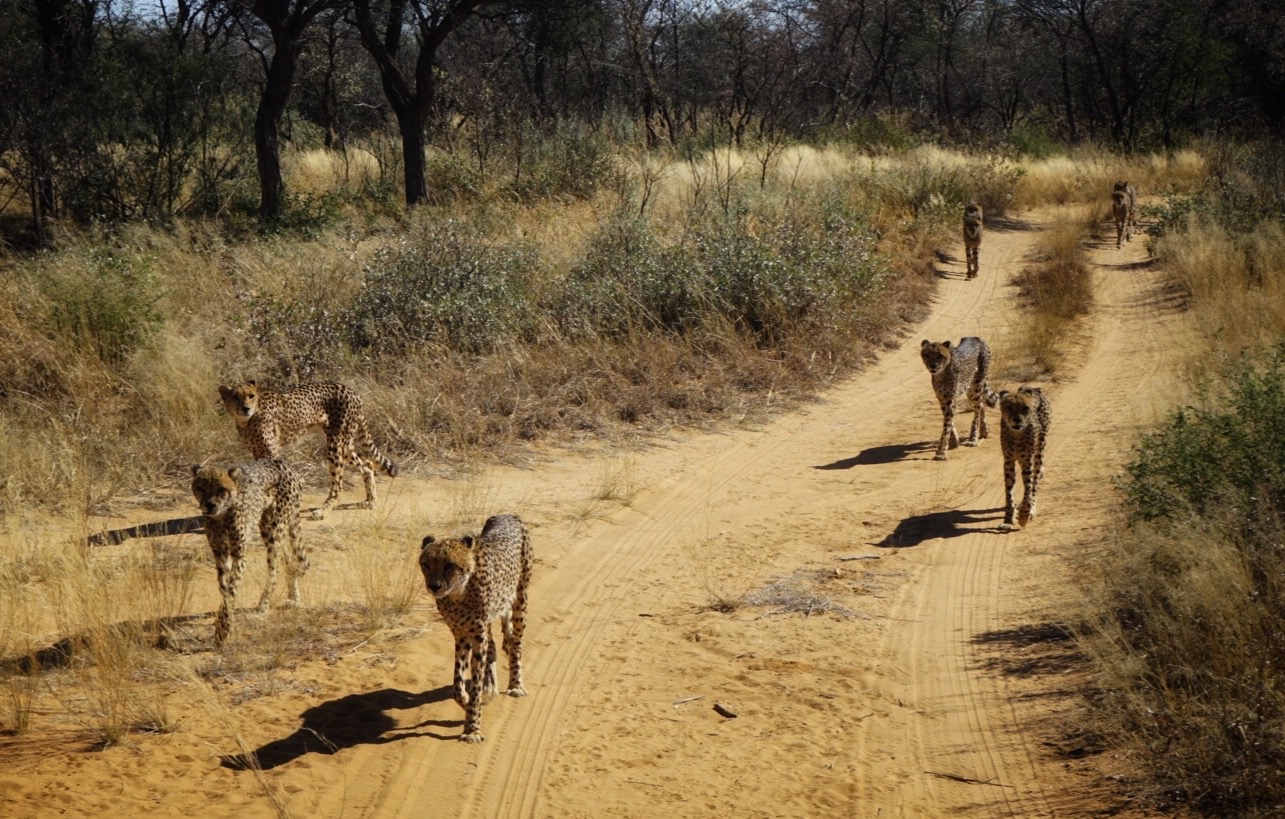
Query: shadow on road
[[357, 719], [915, 529], [887, 454]]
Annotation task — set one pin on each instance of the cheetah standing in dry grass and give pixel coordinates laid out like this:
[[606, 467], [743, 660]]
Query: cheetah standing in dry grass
[[268, 419], [1124, 203], [1025, 419], [233, 501], [958, 372], [972, 237], [476, 581]]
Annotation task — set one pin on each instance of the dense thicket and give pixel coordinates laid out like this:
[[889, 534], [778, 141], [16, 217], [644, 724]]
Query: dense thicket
[[117, 110]]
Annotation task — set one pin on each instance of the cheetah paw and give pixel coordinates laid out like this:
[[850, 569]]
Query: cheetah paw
[[971, 442], [318, 514], [940, 456], [516, 691], [473, 736]]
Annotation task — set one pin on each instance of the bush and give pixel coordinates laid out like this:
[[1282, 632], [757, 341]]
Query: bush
[[1189, 640], [105, 303], [447, 283]]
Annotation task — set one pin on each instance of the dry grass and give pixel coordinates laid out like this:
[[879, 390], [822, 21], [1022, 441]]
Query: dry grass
[[1058, 291], [1087, 176]]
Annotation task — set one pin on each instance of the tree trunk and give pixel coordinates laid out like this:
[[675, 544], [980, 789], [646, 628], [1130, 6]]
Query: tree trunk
[[410, 124], [267, 140]]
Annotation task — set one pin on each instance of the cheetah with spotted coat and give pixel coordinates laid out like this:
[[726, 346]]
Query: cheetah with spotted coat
[[233, 501], [1124, 204], [268, 419], [972, 238], [959, 371], [476, 581], [1025, 418]]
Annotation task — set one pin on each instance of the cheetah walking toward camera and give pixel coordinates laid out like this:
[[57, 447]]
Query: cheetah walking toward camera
[[268, 419], [972, 237], [958, 372], [1025, 418], [476, 581], [233, 501], [1124, 203]]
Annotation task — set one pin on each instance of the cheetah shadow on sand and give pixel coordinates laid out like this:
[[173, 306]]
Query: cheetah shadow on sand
[[161, 528], [356, 719], [887, 454], [915, 529]]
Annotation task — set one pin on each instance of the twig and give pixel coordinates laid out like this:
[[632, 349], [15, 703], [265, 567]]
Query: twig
[[861, 557], [688, 699], [967, 780]]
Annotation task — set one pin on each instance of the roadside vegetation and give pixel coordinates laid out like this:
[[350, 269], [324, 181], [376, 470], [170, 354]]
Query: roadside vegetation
[[1187, 603]]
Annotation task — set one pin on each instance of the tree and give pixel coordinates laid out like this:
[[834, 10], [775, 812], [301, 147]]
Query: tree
[[384, 30], [286, 22]]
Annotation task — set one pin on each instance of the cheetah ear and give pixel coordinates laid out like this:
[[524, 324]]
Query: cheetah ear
[[467, 540], [925, 343], [235, 474], [252, 383], [224, 392], [946, 344], [426, 542], [1003, 394], [196, 470]]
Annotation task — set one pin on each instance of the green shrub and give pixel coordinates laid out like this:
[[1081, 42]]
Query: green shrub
[[1209, 460], [105, 302], [447, 283]]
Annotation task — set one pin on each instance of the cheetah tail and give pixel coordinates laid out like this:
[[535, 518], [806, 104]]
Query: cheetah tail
[[990, 396], [371, 452]]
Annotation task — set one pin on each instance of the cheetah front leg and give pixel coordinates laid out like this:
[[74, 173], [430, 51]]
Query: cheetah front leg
[[463, 657], [1010, 477], [949, 437], [1027, 508], [1037, 473], [272, 535], [228, 565], [473, 711]]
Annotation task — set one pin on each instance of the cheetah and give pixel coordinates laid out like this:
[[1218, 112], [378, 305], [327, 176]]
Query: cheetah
[[1024, 427], [268, 419], [972, 236], [233, 500], [476, 581], [959, 371], [1124, 201]]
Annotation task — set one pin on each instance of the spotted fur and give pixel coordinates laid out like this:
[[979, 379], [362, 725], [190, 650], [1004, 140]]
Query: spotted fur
[[1025, 419], [972, 237], [233, 502], [959, 371], [476, 581], [268, 419], [1124, 204]]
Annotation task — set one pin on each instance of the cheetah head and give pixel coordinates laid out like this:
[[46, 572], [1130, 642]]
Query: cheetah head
[[215, 489], [447, 565], [973, 213], [1122, 185], [1017, 407], [241, 401], [936, 355], [1117, 198]]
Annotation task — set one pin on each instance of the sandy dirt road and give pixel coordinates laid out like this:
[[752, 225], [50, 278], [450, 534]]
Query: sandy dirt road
[[928, 677]]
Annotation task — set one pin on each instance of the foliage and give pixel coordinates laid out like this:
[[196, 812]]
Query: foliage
[[106, 303], [450, 284]]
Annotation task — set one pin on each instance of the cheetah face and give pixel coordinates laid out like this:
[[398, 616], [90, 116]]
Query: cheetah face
[[1017, 408], [215, 490], [936, 356], [973, 213], [447, 565], [241, 401], [1117, 198]]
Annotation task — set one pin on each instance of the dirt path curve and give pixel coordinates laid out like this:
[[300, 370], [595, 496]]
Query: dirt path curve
[[927, 690]]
